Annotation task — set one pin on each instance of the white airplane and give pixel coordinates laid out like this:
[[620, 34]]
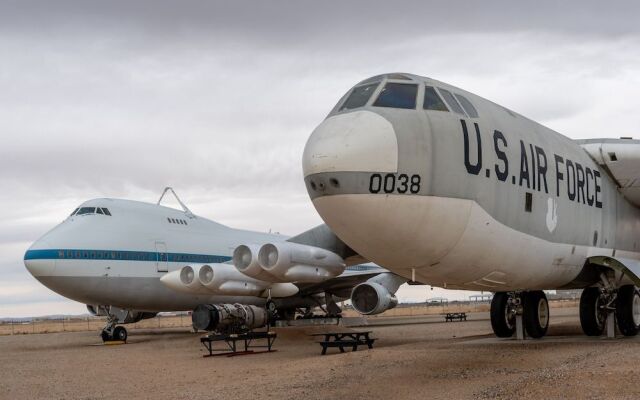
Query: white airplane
[[129, 260], [444, 187]]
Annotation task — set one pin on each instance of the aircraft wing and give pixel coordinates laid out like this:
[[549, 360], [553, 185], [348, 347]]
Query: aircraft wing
[[620, 158], [342, 285]]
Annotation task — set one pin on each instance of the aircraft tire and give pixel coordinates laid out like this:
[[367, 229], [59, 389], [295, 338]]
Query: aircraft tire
[[503, 325], [628, 310], [592, 318], [535, 313], [120, 333], [105, 336]]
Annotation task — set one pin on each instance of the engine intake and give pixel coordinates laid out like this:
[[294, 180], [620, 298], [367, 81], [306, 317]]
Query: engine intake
[[293, 262], [376, 295], [245, 259], [184, 280]]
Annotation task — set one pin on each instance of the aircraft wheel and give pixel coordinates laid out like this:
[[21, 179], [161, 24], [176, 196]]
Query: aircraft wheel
[[120, 333], [502, 319], [106, 337], [628, 310], [592, 316], [535, 313]]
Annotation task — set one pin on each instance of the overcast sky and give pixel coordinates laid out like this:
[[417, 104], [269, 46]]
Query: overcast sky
[[120, 99]]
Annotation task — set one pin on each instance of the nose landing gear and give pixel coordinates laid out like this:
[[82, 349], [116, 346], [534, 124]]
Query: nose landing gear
[[520, 312], [111, 332]]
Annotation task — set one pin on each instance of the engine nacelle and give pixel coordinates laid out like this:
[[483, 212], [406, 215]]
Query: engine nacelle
[[245, 259], [293, 262], [376, 295], [372, 298], [184, 280], [227, 280], [232, 318]]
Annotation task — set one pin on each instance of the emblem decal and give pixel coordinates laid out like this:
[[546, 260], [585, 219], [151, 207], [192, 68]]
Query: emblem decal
[[552, 214]]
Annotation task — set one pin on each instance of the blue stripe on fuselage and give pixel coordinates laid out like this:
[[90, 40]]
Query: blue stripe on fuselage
[[121, 255], [127, 255]]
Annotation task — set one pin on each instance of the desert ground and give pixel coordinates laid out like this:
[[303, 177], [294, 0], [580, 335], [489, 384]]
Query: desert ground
[[415, 357]]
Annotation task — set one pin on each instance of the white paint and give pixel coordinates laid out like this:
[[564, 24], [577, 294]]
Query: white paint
[[552, 214], [356, 141], [451, 243]]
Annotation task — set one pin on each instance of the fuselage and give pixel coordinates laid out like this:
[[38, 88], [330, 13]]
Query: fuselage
[[118, 258], [434, 182]]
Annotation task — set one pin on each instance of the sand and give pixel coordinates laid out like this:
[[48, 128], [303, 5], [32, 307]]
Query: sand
[[428, 360]]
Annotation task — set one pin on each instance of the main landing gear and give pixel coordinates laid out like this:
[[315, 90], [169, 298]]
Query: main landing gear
[[112, 332], [601, 308], [520, 312]]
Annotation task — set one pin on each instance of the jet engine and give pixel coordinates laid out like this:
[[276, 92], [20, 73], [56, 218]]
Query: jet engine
[[225, 279], [376, 295], [245, 259], [184, 280], [293, 262], [229, 318]]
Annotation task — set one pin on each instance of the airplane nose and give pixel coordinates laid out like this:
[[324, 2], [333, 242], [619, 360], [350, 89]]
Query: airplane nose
[[39, 263], [360, 141]]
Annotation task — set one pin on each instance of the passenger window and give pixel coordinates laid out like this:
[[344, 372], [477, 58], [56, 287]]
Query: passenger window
[[432, 101], [451, 101], [86, 210], [359, 96], [397, 95], [468, 107], [106, 211]]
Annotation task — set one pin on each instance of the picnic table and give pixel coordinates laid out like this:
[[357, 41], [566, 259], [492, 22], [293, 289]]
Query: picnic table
[[460, 316], [231, 340], [345, 339]]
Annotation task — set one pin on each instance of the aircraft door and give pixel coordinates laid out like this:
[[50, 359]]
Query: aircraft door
[[162, 260]]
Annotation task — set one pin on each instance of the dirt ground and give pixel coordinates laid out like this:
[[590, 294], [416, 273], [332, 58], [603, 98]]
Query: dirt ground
[[414, 358]]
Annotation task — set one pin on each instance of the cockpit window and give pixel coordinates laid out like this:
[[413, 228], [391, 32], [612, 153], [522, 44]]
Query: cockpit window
[[468, 107], [91, 210], [432, 101], [397, 95], [451, 101], [74, 211], [359, 96]]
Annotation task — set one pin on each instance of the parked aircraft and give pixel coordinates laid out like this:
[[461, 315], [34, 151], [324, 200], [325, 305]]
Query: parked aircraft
[[444, 187], [129, 260]]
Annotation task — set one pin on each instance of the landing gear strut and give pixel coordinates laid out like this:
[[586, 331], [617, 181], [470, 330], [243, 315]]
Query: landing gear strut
[[112, 332], [517, 312], [605, 306]]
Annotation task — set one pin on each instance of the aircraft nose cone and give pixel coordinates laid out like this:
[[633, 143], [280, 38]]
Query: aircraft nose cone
[[39, 263], [360, 141]]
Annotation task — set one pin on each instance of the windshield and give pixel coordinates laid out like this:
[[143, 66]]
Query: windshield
[[397, 95], [359, 96]]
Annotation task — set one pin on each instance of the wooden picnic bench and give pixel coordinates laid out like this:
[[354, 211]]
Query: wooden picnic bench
[[231, 340], [459, 316], [345, 339]]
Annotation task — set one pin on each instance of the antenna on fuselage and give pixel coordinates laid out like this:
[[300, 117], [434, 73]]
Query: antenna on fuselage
[[184, 208]]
